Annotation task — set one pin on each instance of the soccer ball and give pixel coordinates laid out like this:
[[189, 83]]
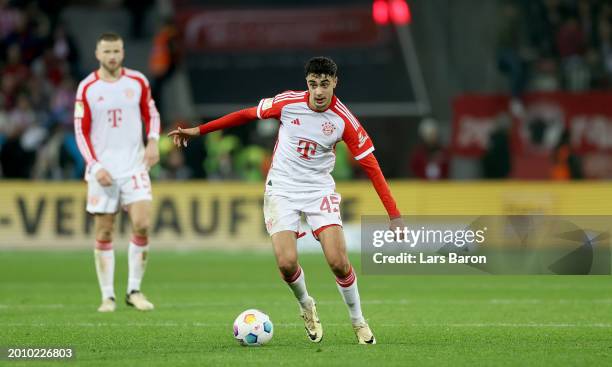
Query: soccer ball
[[253, 328]]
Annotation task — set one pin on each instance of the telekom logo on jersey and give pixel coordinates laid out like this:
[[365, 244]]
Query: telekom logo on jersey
[[307, 148], [114, 116]]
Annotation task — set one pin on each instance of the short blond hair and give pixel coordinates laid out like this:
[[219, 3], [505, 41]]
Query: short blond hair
[[109, 36]]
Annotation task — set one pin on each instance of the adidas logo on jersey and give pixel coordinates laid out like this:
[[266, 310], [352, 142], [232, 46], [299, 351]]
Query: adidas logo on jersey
[[296, 122]]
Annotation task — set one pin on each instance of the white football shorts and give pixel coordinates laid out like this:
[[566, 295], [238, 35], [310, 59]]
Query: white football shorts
[[124, 191], [282, 212]]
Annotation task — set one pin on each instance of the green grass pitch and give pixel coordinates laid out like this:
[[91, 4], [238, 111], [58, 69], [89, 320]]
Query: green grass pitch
[[50, 299]]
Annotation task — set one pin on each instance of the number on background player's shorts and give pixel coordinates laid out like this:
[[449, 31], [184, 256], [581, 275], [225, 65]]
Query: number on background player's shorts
[[123, 191]]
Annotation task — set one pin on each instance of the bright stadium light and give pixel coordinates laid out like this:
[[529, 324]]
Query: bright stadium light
[[380, 12], [394, 11], [399, 12]]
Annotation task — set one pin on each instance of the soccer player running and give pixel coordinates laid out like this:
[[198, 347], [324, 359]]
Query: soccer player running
[[112, 104], [299, 181]]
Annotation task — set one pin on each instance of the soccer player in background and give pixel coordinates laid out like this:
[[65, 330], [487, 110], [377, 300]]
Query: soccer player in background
[[312, 122], [112, 104]]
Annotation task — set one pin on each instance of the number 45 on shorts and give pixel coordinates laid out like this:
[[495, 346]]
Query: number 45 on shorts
[[330, 204]]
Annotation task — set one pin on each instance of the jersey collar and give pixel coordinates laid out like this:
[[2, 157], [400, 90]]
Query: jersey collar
[[97, 74]]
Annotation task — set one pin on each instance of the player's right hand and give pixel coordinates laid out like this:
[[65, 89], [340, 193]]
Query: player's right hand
[[395, 224], [181, 136], [104, 178]]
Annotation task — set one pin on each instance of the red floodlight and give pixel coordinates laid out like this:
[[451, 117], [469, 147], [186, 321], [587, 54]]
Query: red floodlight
[[399, 12], [380, 12]]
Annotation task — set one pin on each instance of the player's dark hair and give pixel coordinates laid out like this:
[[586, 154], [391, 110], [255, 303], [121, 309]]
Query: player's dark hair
[[109, 36], [321, 65]]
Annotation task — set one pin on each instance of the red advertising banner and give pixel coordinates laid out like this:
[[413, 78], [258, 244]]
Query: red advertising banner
[[279, 29], [474, 118], [586, 116]]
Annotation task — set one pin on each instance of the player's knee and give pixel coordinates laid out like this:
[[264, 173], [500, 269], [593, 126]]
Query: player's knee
[[287, 266], [340, 266], [141, 226], [104, 234]]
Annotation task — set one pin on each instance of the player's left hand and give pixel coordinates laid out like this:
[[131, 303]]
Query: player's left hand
[[397, 223], [151, 155], [181, 135]]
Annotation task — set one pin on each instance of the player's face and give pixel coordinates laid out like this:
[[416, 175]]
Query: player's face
[[321, 88], [110, 54]]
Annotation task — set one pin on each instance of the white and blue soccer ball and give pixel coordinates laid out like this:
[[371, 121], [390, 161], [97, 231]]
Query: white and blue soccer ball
[[253, 328]]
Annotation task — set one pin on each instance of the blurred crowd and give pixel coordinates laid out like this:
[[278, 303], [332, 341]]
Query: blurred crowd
[[547, 45], [39, 64]]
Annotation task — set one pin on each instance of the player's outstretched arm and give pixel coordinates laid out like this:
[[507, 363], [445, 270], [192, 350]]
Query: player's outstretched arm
[[370, 165], [361, 147], [182, 135]]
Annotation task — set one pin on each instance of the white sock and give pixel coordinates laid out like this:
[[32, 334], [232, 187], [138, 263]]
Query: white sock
[[298, 286], [350, 294], [137, 263], [105, 268]]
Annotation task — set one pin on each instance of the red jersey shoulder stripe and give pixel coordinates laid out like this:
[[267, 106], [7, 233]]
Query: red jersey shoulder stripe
[[84, 84], [298, 99], [287, 95], [345, 116], [281, 100], [290, 92], [342, 108]]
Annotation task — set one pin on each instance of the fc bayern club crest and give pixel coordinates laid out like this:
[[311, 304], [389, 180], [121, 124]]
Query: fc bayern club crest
[[129, 93], [328, 128]]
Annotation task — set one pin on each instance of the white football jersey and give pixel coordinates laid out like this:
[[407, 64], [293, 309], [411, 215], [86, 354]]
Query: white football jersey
[[304, 154], [108, 119]]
